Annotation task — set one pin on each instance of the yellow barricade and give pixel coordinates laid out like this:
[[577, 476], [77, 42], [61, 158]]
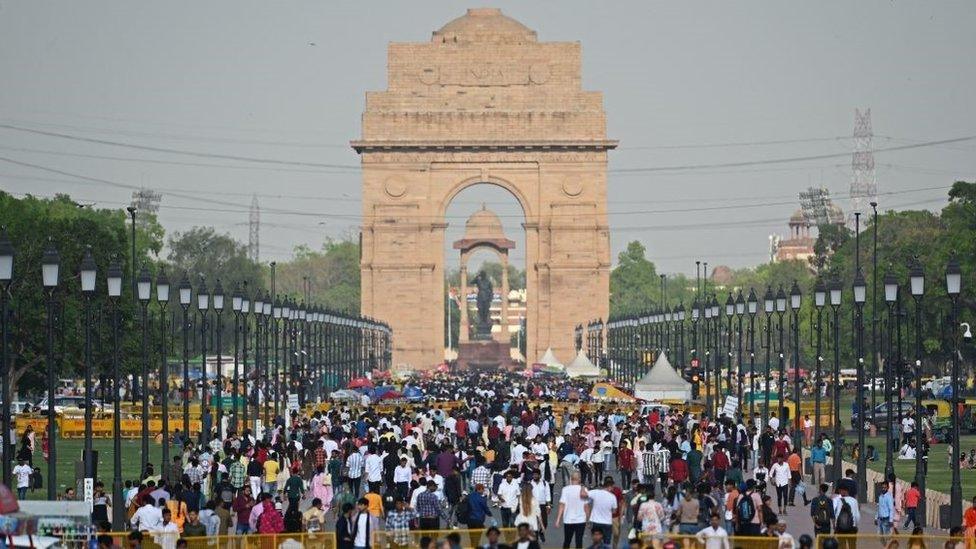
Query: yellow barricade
[[692, 542], [468, 538], [324, 540], [901, 541]]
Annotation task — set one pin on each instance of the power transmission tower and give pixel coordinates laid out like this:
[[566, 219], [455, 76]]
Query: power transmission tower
[[254, 231], [864, 186], [145, 201]]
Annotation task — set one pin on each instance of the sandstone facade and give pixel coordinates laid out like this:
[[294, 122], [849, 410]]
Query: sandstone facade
[[483, 102]]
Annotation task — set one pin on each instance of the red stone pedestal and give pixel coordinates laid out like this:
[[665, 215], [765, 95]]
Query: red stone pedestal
[[485, 355]]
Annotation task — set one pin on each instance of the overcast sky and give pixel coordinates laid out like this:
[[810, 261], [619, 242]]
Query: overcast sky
[[684, 84]]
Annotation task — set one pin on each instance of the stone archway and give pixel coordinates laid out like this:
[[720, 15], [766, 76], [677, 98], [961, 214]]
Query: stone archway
[[483, 102]]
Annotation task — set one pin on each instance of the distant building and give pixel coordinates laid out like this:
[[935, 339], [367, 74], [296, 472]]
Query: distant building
[[798, 246]]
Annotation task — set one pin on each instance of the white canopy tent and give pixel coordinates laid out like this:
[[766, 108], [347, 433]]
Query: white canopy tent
[[662, 382], [582, 367], [549, 359]]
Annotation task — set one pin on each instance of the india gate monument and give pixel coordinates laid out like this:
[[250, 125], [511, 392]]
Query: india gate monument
[[484, 102]]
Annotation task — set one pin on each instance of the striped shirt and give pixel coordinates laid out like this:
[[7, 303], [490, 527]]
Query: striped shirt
[[355, 464], [656, 463]]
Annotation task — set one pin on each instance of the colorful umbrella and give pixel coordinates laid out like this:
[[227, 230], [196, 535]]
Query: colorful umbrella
[[359, 383]]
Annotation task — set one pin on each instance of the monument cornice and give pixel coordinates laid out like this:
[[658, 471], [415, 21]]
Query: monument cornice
[[380, 145]]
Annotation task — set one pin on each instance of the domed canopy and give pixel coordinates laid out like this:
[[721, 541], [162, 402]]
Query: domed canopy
[[798, 218], [483, 224], [484, 227], [484, 26], [836, 214]]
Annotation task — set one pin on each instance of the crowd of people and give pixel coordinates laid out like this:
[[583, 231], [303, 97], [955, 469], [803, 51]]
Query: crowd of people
[[489, 454]]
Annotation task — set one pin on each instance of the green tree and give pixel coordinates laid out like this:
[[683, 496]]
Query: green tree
[[34, 223], [330, 275], [634, 283]]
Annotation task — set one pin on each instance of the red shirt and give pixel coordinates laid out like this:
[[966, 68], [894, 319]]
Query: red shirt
[[720, 461], [625, 458], [619, 494], [462, 428], [912, 496], [679, 470]]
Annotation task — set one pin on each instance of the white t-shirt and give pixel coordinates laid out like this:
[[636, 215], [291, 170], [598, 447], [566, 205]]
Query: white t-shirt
[[604, 504], [780, 473], [908, 425], [575, 505], [23, 473], [362, 525]]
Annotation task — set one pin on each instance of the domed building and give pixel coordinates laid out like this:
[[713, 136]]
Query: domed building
[[798, 246], [484, 26]]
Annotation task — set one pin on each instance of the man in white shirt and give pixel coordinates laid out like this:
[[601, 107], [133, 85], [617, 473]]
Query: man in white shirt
[[401, 478], [373, 467], [23, 473], [840, 522], [518, 453], [166, 533], [907, 428], [148, 517], [573, 507], [540, 491], [508, 495], [780, 476], [602, 505], [713, 536]]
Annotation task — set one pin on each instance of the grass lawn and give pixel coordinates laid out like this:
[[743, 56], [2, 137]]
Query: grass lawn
[[69, 452]]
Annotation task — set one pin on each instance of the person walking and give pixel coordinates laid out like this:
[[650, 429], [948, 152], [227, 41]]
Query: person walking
[[603, 503], [713, 536], [573, 511], [781, 475], [822, 512]]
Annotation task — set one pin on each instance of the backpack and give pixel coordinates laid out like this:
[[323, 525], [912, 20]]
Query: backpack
[[463, 510], [845, 518], [746, 508], [822, 513]]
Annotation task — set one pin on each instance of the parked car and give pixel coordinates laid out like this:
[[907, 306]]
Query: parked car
[[879, 415], [18, 407], [63, 404]]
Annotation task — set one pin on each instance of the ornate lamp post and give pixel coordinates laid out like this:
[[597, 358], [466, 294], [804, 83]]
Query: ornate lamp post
[[186, 291], [769, 305], [50, 265], [88, 278], [144, 291], [218, 306], [819, 300], [953, 277], [917, 280], [114, 295], [276, 313], [752, 306], [781, 382], [740, 309], [727, 342], [162, 298], [6, 277], [835, 297], [860, 295], [706, 343], [891, 295], [796, 298], [241, 377], [203, 305], [236, 303]]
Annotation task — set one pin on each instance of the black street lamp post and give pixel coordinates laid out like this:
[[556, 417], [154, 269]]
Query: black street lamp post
[[236, 305], [727, 342], [144, 291], [835, 297], [752, 306], [819, 300], [953, 277], [796, 298], [50, 265], [218, 306], [6, 277], [88, 278], [769, 305], [917, 283], [781, 381], [114, 296], [710, 395], [740, 309], [203, 305], [860, 295], [162, 298], [186, 291], [277, 312], [890, 295]]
